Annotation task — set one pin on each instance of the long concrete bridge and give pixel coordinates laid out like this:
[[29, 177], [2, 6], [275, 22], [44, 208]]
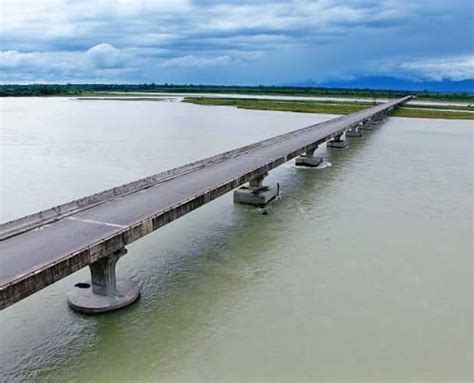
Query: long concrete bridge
[[42, 248]]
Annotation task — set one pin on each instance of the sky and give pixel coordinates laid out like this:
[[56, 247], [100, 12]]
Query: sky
[[255, 42]]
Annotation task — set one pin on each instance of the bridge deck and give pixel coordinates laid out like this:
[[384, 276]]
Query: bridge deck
[[37, 257]]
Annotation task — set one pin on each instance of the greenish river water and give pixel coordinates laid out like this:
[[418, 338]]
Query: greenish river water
[[361, 272]]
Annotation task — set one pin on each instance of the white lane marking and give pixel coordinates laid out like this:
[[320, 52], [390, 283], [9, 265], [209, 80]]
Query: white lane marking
[[96, 222]]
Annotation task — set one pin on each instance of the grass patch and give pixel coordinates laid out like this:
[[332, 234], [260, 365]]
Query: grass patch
[[429, 113], [284, 106], [327, 107]]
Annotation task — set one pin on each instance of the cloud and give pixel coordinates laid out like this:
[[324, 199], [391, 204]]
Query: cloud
[[101, 61], [104, 55], [259, 41], [453, 68], [193, 61], [13, 59], [232, 57], [44, 63]]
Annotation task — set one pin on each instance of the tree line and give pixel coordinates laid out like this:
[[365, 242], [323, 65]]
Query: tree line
[[15, 90]]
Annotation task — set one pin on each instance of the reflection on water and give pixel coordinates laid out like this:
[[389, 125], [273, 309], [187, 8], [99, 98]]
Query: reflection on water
[[360, 272]]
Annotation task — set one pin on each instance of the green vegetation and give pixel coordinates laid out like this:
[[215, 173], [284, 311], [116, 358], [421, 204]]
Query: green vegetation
[[38, 90], [285, 106], [469, 107], [431, 113], [90, 89], [327, 107]]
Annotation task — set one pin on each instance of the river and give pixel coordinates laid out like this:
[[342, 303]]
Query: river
[[361, 272]]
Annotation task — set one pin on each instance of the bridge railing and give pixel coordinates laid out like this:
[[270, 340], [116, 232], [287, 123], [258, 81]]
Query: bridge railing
[[29, 222]]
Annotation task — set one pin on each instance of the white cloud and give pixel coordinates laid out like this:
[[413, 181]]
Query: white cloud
[[452, 68], [194, 61], [101, 61], [13, 59], [104, 55], [231, 57]]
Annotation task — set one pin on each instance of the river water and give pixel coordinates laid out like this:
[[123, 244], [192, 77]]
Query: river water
[[361, 272]]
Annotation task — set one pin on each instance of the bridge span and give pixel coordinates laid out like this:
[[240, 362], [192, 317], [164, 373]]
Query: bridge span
[[42, 248]]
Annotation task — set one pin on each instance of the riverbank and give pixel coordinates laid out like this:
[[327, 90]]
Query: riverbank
[[441, 112]]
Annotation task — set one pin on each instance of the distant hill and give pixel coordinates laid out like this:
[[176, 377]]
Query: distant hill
[[392, 83]]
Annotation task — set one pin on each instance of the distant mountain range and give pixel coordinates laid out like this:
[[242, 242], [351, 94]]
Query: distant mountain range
[[393, 83]]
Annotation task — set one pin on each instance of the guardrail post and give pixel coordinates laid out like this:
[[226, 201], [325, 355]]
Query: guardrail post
[[105, 292]]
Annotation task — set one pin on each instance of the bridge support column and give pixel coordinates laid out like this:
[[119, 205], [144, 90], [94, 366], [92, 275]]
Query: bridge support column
[[337, 142], [105, 292], [378, 118], [256, 194], [369, 125], [354, 131], [309, 159]]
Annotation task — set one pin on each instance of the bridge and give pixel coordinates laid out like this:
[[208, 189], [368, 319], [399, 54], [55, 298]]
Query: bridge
[[42, 248]]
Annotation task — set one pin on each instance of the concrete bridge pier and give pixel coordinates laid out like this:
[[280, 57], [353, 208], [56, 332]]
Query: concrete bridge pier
[[256, 193], [379, 118], [308, 158], [368, 125], [105, 292], [337, 142], [354, 131]]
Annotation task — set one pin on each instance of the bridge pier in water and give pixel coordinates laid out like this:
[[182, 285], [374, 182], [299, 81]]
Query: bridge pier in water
[[354, 131], [105, 292], [337, 142], [373, 122], [378, 118], [308, 158], [256, 193], [369, 125]]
